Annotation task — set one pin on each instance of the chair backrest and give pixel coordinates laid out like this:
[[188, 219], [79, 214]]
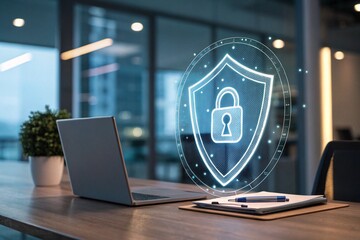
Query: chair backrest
[[344, 134], [345, 159]]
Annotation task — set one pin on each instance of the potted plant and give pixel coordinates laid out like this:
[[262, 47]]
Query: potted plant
[[41, 143]]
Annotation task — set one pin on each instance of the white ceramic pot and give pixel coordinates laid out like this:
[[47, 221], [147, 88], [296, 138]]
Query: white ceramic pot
[[47, 171]]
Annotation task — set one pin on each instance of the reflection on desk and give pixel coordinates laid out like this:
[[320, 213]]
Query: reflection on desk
[[54, 213]]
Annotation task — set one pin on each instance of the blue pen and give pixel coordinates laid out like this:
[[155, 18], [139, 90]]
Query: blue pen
[[260, 199]]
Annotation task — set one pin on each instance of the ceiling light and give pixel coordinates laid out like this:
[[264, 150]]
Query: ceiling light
[[14, 62], [357, 7], [278, 43], [137, 26], [86, 49], [137, 132], [18, 22], [339, 55]]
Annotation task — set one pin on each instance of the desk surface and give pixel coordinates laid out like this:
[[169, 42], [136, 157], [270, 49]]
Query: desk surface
[[53, 212]]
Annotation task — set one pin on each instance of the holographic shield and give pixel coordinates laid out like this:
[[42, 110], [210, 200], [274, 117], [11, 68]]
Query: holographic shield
[[239, 101]]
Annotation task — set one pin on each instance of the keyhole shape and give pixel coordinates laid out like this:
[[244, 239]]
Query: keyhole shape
[[226, 120]]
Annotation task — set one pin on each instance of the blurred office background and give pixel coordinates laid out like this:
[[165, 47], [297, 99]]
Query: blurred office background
[[144, 48]]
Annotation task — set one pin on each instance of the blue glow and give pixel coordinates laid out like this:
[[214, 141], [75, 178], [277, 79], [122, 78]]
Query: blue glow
[[231, 137], [265, 82]]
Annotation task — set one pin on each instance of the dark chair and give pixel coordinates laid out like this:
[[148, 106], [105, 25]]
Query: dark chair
[[345, 158], [344, 134]]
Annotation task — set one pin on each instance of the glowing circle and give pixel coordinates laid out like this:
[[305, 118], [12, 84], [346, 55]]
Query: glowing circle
[[357, 7], [137, 27], [278, 43], [137, 132], [339, 55], [240, 164], [18, 22]]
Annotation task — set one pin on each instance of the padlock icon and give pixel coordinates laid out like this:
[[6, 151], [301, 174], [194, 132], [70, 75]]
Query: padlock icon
[[227, 122]]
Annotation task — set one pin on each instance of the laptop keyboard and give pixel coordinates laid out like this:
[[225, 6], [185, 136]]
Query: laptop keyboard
[[142, 196]]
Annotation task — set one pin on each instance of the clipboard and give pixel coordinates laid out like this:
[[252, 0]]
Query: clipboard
[[263, 207], [270, 216]]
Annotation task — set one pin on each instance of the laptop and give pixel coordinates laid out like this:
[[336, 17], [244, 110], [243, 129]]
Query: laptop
[[96, 165]]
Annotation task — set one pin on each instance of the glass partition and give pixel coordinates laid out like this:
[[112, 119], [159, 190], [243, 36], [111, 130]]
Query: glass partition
[[114, 79]]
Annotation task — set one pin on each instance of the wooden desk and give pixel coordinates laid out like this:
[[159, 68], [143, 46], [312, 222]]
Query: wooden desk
[[54, 213]]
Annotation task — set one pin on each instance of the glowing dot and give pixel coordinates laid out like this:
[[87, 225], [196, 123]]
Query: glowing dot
[[278, 43], [269, 141], [194, 54], [201, 92], [222, 79], [193, 177], [211, 155], [137, 132], [300, 70], [185, 105], [137, 27], [233, 47], [339, 55], [306, 71], [250, 129], [357, 7], [237, 180], [243, 79], [205, 66], [221, 42], [278, 126], [255, 67], [196, 165], [208, 110], [204, 173], [207, 189], [274, 132], [304, 105], [182, 129], [243, 58], [214, 186], [245, 181], [187, 137], [259, 157], [217, 88], [18, 22], [269, 38]]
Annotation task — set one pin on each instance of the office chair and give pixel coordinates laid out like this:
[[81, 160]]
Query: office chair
[[344, 133], [344, 156]]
